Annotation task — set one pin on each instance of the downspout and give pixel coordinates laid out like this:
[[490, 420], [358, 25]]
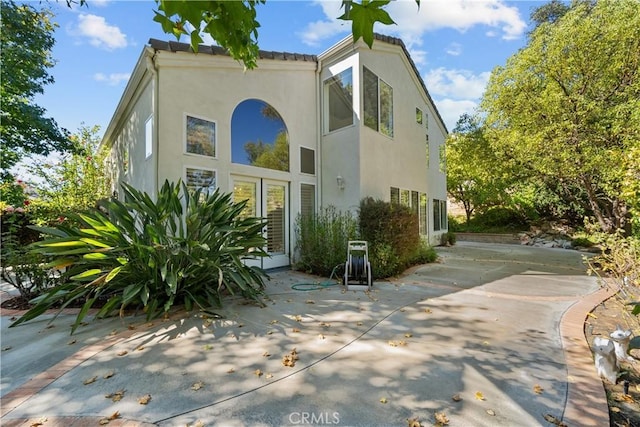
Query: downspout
[[152, 67], [319, 109]]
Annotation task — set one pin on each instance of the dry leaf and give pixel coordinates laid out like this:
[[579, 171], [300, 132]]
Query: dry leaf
[[325, 324], [131, 327], [537, 389], [297, 318], [273, 322], [231, 371], [295, 330], [122, 353], [553, 420], [197, 386], [592, 315], [479, 395], [72, 342], [207, 347], [266, 354], [240, 325], [144, 399], [270, 332], [441, 419], [6, 348], [383, 400], [413, 422], [114, 332], [613, 409], [140, 348], [40, 422], [104, 421], [456, 398], [288, 360], [258, 372], [268, 376], [408, 335], [321, 336], [108, 375], [117, 396], [491, 412], [359, 324], [309, 301], [485, 343], [427, 310], [90, 380], [198, 424]]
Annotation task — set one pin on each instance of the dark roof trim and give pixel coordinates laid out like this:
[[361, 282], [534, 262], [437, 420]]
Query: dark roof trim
[[172, 46]]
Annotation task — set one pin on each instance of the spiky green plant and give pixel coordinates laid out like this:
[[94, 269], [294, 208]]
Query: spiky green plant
[[184, 248]]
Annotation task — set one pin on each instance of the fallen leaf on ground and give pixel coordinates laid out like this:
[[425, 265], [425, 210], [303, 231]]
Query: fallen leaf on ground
[[197, 386], [198, 424], [72, 342], [40, 422], [258, 372], [592, 315], [537, 389], [90, 380], [6, 348], [491, 412], [383, 400], [114, 332], [325, 324], [359, 324], [289, 360], [408, 335], [479, 395], [297, 318], [309, 301], [207, 347], [122, 353], [140, 348], [266, 354], [131, 327], [117, 396], [456, 398], [269, 376], [112, 417], [144, 399], [108, 375], [427, 310], [231, 371], [613, 409], [441, 419], [273, 322], [295, 330], [553, 420], [413, 422], [321, 336]]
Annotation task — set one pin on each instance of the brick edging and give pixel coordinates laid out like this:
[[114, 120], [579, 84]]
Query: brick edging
[[586, 398]]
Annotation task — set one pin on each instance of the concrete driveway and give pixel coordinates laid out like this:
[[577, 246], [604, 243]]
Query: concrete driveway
[[489, 336]]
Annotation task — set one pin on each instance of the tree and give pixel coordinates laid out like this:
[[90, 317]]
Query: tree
[[233, 24], [270, 156], [27, 40], [78, 181], [473, 175], [567, 105]]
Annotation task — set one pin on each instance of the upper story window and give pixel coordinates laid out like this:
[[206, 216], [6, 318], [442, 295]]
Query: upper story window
[[443, 158], [418, 116], [307, 161], [377, 103], [338, 94], [148, 137], [200, 136], [259, 136]]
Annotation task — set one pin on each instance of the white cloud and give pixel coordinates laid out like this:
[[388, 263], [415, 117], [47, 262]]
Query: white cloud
[[432, 15], [100, 33], [454, 49], [113, 79], [458, 84], [451, 110]]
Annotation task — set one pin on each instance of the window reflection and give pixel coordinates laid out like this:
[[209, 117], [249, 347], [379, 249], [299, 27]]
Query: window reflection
[[259, 136]]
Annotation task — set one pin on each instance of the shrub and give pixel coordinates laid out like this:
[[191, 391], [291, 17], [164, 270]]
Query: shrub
[[448, 239], [322, 240], [500, 217], [184, 248], [393, 235]]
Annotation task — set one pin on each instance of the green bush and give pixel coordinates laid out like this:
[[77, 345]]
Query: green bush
[[448, 239], [183, 248], [322, 240], [393, 235], [500, 217]]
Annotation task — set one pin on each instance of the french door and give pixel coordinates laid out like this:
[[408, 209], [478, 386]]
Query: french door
[[268, 199]]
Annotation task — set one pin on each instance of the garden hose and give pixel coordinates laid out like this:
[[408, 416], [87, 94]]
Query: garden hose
[[320, 285]]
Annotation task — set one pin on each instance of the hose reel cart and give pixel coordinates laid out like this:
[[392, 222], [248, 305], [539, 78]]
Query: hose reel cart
[[357, 269]]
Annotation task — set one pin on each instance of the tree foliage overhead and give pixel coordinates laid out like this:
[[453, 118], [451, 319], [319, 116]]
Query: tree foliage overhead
[[234, 25], [567, 106], [27, 40]]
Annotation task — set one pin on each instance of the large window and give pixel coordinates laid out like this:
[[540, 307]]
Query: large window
[[338, 92], [439, 214], [424, 214], [200, 136], [377, 103], [414, 200], [259, 136]]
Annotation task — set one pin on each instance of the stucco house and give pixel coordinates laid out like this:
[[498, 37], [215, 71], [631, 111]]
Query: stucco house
[[299, 132]]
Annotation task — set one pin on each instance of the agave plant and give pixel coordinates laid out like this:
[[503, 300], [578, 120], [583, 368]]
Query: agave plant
[[185, 248]]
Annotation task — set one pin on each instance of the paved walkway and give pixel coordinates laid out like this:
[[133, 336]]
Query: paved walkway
[[490, 336]]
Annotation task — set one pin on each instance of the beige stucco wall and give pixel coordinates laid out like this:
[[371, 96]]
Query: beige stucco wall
[[127, 161]]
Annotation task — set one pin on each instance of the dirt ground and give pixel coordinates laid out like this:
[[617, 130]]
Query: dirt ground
[[624, 409]]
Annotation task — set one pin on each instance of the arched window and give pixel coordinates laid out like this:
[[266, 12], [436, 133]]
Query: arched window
[[259, 136]]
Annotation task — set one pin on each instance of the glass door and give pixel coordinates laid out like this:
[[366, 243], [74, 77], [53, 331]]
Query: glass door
[[268, 199]]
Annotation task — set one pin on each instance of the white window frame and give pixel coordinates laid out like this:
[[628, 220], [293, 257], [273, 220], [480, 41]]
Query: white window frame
[[185, 176], [315, 196], [315, 160], [325, 99]]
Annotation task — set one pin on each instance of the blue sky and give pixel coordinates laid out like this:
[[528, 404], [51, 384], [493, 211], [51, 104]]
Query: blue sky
[[454, 43]]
